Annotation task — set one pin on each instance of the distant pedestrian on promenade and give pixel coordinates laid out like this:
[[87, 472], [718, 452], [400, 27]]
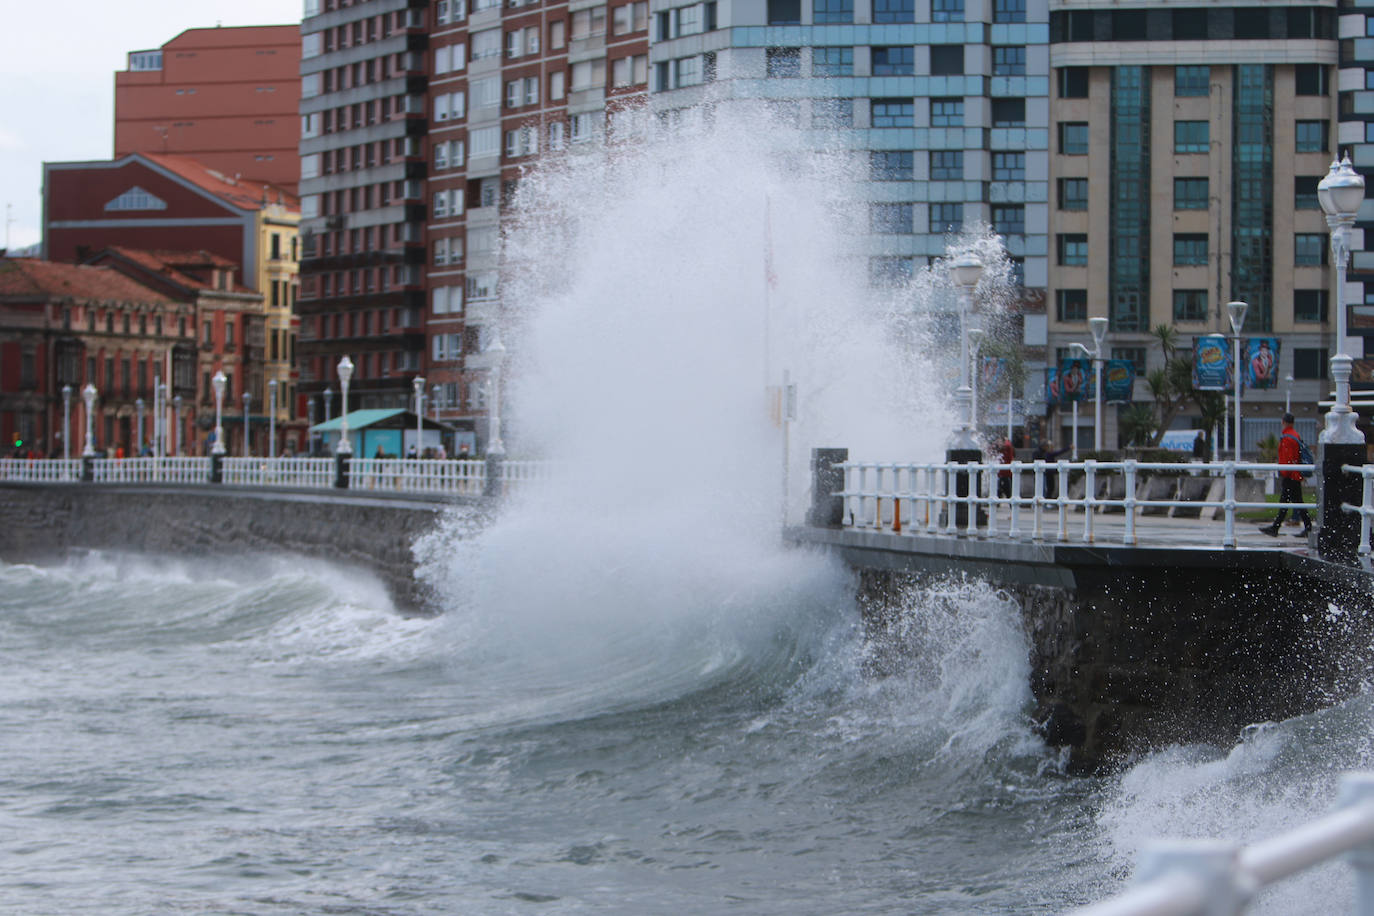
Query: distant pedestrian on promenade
[[1291, 451], [1047, 452], [1004, 475]]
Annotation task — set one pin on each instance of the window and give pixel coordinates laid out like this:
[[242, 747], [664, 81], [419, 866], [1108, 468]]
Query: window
[[1310, 79], [889, 272], [136, 199], [1190, 193], [557, 88], [894, 10], [589, 74], [1192, 81], [485, 141], [1009, 219], [832, 61], [946, 165], [894, 61], [893, 113], [832, 113], [1008, 112], [1309, 363], [827, 11], [783, 12], [1073, 138], [1073, 249], [1008, 166], [1190, 305], [1009, 60], [1309, 305], [1309, 249], [891, 165], [589, 23], [486, 43], [557, 138], [891, 219], [1073, 193], [1133, 355], [946, 60], [486, 92], [946, 10], [1073, 82], [1009, 11], [1305, 192], [946, 217], [783, 62], [1190, 249], [1310, 136], [558, 34], [1071, 304], [1191, 136], [946, 112]]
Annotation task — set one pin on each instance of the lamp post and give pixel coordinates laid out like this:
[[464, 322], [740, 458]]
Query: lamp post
[[176, 425], [271, 418], [88, 395], [419, 385], [965, 271], [1099, 331], [67, 422], [328, 402], [138, 432], [217, 383], [1341, 192], [975, 343], [1288, 394], [247, 403], [435, 397], [345, 373], [162, 414], [1236, 311], [496, 448]]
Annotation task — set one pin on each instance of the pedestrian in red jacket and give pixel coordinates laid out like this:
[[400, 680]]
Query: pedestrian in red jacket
[[1290, 482]]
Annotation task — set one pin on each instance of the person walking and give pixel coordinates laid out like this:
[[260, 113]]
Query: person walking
[[1291, 451]]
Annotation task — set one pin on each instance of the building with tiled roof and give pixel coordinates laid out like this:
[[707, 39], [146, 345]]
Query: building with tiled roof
[[63, 326]]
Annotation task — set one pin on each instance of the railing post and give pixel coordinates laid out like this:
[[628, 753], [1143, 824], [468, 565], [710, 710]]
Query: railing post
[[1062, 499], [1365, 507], [827, 479], [343, 470], [1129, 537], [1014, 532], [1037, 501], [932, 508], [495, 485], [1211, 865], [216, 468], [1228, 540], [1358, 789], [951, 516], [1089, 498], [989, 476]]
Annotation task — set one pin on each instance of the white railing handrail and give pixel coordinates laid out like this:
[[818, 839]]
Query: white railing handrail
[[443, 477], [877, 492], [1204, 877]]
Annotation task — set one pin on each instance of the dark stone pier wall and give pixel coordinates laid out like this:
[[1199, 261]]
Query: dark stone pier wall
[[372, 533]]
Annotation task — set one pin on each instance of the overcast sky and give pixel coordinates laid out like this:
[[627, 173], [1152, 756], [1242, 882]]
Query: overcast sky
[[57, 69]]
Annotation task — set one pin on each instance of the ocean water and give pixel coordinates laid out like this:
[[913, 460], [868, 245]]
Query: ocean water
[[272, 737]]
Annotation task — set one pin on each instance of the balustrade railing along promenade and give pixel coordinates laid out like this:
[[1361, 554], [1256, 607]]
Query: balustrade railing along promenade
[[925, 498], [465, 477]]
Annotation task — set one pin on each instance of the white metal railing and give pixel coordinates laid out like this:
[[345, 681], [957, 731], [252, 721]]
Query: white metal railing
[[925, 498], [1366, 508], [1208, 877], [466, 477]]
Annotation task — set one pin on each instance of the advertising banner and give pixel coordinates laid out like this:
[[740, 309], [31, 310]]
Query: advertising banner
[[1051, 388], [1118, 380], [1210, 365], [1075, 380], [1262, 362], [994, 374]]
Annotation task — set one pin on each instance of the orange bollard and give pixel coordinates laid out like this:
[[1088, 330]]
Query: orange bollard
[[896, 516]]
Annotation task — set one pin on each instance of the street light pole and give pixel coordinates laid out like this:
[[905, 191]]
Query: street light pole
[[1288, 395], [1236, 311], [1099, 331], [217, 383], [176, 425], [434, 399], [496, 448], [138, 433], [419, 385], [271, 418], [1341, 192], [345, 368], [247, 403], [88, 395], [965, 271], [975, 343], [67, 422]]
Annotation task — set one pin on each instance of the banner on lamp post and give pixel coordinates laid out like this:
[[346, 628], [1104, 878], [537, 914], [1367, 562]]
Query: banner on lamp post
[[994, 374], [1075, 380], [1262, 362], [1051, 388], [1211, 367]]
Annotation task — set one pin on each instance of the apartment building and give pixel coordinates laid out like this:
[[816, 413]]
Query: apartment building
[[226, 97], [364, 84]]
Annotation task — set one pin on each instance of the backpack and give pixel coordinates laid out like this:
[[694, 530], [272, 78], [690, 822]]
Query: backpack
[[1304, 453]]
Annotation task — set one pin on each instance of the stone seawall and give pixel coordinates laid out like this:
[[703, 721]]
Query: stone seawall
[[372, 533]]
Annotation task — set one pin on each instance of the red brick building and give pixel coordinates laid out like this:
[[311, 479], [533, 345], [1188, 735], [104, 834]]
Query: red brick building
[[227, 97], [67, 324]]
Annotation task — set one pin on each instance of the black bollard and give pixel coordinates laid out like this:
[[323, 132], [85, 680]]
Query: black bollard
[[216, 468], [962, 481], [88, 469], [494, 485], [827, 479], [342, 468], [1338, 532]]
